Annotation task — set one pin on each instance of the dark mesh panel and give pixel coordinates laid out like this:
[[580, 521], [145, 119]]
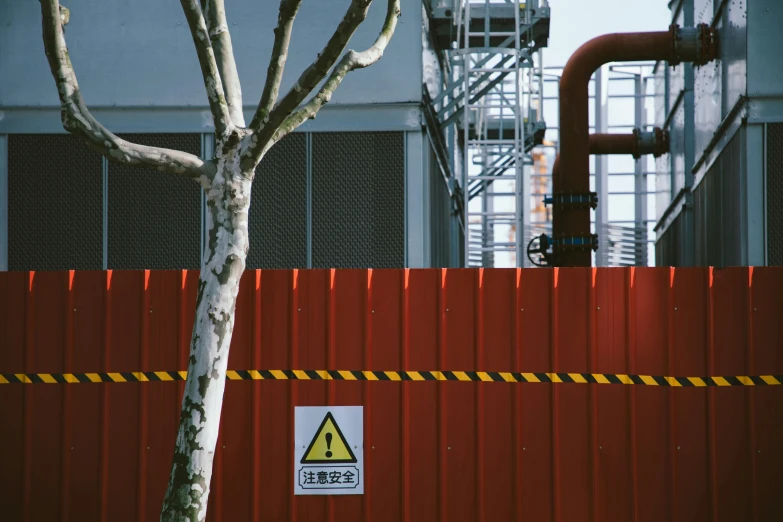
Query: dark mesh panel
[[358, 200], [278, 207], [54, 203], [154, 218], [775, 194]]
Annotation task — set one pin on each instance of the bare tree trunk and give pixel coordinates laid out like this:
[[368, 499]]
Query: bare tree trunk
[[228, 199], [226, 180]]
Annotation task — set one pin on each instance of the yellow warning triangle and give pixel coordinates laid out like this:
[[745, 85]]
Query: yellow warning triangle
[[328, 445]]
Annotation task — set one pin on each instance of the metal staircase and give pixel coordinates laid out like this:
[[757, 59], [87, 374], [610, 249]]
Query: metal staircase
[[491, 109]]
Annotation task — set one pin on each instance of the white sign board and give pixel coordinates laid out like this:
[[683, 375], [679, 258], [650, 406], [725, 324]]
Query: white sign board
[[328, 450]]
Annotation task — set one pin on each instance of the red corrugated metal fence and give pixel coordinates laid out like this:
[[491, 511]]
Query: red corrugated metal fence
[[433, 450]]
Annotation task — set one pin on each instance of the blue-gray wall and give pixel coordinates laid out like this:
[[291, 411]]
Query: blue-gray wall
[[140, 53]]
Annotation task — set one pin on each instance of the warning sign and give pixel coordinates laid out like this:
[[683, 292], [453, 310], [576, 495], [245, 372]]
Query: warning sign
[[329, 450], [329, 445]]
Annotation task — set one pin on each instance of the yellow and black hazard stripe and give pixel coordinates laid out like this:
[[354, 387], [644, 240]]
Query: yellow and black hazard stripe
[[409, 375]]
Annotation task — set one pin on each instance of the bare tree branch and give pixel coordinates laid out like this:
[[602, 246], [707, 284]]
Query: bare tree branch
[[351, 61], [77, 119], [209, 69], [264, 127], [215, 14], [274, 74]]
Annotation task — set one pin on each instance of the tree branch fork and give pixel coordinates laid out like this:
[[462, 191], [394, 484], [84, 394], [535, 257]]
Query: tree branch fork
[[273, 118]]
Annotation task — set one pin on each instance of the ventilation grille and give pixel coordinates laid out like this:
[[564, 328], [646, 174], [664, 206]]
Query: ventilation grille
[[278, 207], [358, 200], [54, 203], [775, 194], [154, 218]]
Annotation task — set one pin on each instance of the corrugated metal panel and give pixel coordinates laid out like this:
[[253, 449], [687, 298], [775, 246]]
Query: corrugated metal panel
[[679, 133], [433, 450], [708, 83], [775, 194], [54, 203], [669, 247], [680, 126], [717, 209], [764, 17], [278, 207], [663, 164], [154, 216], [735, 37], [358, 200], [440, 216]]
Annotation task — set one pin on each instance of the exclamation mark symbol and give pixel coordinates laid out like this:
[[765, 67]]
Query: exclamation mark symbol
[[328, 445]]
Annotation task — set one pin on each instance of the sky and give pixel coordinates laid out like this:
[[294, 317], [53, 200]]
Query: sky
[[576, 21]]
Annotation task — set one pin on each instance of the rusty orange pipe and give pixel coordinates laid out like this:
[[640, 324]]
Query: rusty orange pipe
[[637, 144], [573, 176], [574, 172], [605, 144], [618, 144], [613, 144]]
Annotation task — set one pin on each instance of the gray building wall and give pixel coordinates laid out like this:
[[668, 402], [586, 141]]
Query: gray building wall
[[138, 70], [722, 213], [140, 54]]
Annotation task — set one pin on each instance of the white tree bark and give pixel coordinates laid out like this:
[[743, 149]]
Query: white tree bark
[[265, 123], [228, 201], [226, 180], [78, 120], [217, 26], [209, 67]]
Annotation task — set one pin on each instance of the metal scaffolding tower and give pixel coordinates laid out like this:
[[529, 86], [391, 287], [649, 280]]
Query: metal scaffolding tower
[[491, 111]]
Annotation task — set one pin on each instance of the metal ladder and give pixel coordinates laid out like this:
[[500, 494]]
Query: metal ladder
[[489, 121], [495, 224]]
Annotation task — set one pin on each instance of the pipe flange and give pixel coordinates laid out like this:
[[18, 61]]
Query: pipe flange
[[708, 43], [697, 45], [577, 243], [655, 142], [661, 146], [674, 37], [639, 142], [573, 200]]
